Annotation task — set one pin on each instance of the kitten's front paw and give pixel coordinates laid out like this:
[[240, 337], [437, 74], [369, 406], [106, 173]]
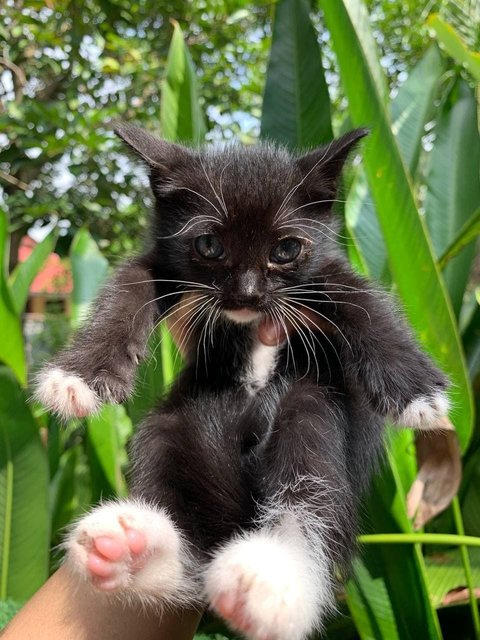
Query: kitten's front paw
[[425, 411], [264, 588], [65, 394], [128, 547]]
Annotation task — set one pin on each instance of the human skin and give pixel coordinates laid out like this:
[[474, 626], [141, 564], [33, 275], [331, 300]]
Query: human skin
[[68, 609]]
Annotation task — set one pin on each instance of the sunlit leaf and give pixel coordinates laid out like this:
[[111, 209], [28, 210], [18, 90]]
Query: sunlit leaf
[[180, 114]]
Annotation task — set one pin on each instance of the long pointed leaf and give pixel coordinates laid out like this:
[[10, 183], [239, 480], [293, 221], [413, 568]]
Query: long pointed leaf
[[11, 347], [24, 519], [296, 104], [411, 109], [469, 231], [410, 256], [25, 272], [453, 184], [180, 114]]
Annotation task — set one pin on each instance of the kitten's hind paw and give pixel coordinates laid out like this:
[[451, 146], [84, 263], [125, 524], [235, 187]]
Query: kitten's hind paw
[[263, 586], [128, 547], [65, 394], [424, 412]]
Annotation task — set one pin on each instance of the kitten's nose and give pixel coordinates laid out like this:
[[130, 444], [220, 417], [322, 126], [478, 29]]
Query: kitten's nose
[[249, 288]]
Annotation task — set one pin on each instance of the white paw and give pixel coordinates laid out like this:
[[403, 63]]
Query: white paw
[[129, 547], [264, 585], [65, 394], [425, 411]]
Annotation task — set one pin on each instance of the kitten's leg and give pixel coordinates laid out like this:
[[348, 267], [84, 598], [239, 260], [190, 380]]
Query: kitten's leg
[[186, 469], [276, 583], [379, 351], [99, 365], [132, 549]]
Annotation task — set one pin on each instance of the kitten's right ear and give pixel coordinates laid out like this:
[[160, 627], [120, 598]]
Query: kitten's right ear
[[157, 154]]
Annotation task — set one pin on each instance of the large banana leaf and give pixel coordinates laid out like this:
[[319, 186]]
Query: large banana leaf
[[24, 519], [296, 105], [453, 184], [11, 347], [180, 113], [24, 273], [410, 256], [411, 109]]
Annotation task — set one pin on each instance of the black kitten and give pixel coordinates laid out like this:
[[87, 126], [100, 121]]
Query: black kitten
[[246, 481]]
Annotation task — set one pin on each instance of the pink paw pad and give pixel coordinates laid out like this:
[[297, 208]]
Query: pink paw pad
[[109, 555]]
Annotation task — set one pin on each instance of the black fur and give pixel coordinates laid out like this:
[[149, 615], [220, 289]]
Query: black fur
[[216, 451]]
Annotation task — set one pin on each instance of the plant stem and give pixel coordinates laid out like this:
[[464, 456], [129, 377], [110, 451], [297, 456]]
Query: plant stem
[[420, 538], [457, 516]]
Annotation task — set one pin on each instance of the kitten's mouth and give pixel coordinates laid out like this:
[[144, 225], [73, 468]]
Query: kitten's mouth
[[243, 315]]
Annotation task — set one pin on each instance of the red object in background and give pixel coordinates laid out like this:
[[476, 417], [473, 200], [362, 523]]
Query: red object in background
[[54, 278]]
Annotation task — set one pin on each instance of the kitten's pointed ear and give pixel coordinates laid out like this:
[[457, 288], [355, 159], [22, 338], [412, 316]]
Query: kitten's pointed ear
[[322, 167], [156, 153]]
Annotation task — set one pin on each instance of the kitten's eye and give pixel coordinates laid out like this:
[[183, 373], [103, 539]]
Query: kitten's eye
[[209, 246], [286, 251]]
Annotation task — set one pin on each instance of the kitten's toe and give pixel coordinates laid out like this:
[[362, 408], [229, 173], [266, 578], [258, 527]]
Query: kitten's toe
[[128, 547], [425, 411], [262, 586], [65, 394]]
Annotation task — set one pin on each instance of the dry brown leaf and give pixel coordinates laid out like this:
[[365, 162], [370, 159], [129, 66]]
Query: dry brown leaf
[[439, 473]]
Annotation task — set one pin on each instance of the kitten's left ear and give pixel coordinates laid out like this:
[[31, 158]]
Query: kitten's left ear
[[322, 167]]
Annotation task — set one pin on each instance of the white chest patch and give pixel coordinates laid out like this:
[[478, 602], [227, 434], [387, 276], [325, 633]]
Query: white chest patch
[[260, 368]]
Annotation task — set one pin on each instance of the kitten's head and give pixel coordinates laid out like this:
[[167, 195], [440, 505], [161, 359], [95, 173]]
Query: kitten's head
[[243, 223]]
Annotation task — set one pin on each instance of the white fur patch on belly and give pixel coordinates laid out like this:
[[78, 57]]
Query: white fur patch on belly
[[261, 366]]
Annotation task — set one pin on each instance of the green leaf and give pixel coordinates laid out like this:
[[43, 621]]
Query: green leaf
[[412, 265], [106, 436], [11, 349], [296, 104], [453, 184], [369, 601], [89, 269], [454, 45], [445, 572], [24, 273], [8, 608], [468, 232], [64, 504], [24, 520], [411, 109], [180, 114]]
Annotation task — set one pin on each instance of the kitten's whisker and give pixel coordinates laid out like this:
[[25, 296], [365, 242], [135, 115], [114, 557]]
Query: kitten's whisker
[[221, 187], [204, 198], [302, 337], [307, 326], [186, 304], [279, 314], [165, 295], [352, 290], [180, 282], [212, 187], [305, 320], [190, 324], [189, 225], [330, 301], [325, 318]]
